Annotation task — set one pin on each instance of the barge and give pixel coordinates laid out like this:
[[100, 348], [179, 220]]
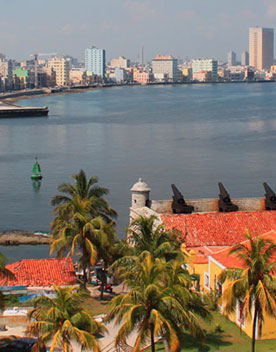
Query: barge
[[11, 110]]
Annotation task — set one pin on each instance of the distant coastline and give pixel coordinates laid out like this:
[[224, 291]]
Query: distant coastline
[[12, 97]]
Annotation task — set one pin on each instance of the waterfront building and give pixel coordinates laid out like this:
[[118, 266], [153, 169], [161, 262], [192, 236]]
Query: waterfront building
[[205, 65], [232, 58], [21, 78], [261, 47], [61, 67], [202, 76], [120, 75], [245, 58], [187, 73], [166, 66], [121, 62], [77, 76], [141, 76], [6, 68], [95, 61]]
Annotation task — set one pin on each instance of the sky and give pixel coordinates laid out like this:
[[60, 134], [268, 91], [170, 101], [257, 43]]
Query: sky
[[194, 29]]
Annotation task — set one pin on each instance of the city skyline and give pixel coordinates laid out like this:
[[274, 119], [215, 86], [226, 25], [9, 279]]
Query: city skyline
[[179, 28]]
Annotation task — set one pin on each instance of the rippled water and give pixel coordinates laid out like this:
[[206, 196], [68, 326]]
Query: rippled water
[[193, 136]]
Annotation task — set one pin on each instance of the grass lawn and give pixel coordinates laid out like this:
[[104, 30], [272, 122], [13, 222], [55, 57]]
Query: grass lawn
[[95, 306], [230, 340]]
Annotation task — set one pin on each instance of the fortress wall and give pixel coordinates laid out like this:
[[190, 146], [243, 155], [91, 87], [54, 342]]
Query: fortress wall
[[208, 204]]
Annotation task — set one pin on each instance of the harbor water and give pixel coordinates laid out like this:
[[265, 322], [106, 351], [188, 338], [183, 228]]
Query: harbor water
[[190, 135]]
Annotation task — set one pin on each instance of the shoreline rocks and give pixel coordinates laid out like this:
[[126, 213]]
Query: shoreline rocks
[[16, 238]]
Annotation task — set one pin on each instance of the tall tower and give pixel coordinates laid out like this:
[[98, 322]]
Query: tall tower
[[261, 47], [95, 61], [245, 58], [139, 194], [232, 58], [142, 56]]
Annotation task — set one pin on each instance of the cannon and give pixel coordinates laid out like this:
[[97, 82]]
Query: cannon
[[225, 203], [270, 198], [179, 205]]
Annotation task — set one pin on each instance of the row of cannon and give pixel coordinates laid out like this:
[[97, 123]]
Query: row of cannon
[[179, 206]]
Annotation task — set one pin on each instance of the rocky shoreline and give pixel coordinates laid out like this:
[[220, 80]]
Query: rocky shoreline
[[16, 238]]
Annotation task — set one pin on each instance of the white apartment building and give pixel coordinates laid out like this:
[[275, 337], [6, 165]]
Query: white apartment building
[[261, 47], [206, 65], [166, 66], [95, 61], [61, 67]]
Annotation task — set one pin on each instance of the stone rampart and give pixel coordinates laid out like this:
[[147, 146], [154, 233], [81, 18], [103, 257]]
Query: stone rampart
[[208, 205]]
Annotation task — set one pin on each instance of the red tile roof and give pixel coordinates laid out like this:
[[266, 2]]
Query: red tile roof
[[220, 229], [40, 273], [201, 253], [231, 261]]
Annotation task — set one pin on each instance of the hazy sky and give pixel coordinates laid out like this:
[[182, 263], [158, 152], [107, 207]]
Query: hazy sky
[[199, 28]]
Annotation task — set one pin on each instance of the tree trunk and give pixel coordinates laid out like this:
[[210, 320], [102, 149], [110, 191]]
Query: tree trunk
[[152, 338], [102, 291], [254, 327], [84, 277]]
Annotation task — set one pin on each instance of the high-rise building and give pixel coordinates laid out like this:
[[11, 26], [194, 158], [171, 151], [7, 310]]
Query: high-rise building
[[95, 61], [232, 58], [165, 65], [261, 47], [245, 58], [61, 67], [206, 65]]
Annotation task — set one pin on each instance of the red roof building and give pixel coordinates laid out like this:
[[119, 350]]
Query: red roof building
[[220, 229], [232, 261], [41, 273]]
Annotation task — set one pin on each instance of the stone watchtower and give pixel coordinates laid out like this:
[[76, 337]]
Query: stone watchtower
[[140, 194]]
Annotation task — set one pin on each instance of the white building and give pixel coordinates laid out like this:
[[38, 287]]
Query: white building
[[206, 65], [261, 47], [166, 66], [95, 61]]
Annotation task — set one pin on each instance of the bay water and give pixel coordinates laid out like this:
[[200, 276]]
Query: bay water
[[190, 135]]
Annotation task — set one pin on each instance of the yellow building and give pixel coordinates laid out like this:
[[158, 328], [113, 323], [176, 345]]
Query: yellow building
[[61, 67], [221, 260]]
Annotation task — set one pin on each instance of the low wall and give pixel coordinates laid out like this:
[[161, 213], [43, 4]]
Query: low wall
[[208, 204]]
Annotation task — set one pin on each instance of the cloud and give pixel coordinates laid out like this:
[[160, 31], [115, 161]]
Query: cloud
[[139, 10]]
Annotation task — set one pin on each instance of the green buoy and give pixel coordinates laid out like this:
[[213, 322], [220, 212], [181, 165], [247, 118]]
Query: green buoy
[[36, 175]]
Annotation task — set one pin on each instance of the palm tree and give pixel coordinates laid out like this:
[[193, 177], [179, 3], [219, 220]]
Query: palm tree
[[89, 236], [83, 220], [83, 191], [145, 236], [154, 305], [254, 284], [63, 319]]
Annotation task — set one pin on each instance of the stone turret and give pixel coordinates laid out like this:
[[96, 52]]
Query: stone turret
[[140, 194]]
